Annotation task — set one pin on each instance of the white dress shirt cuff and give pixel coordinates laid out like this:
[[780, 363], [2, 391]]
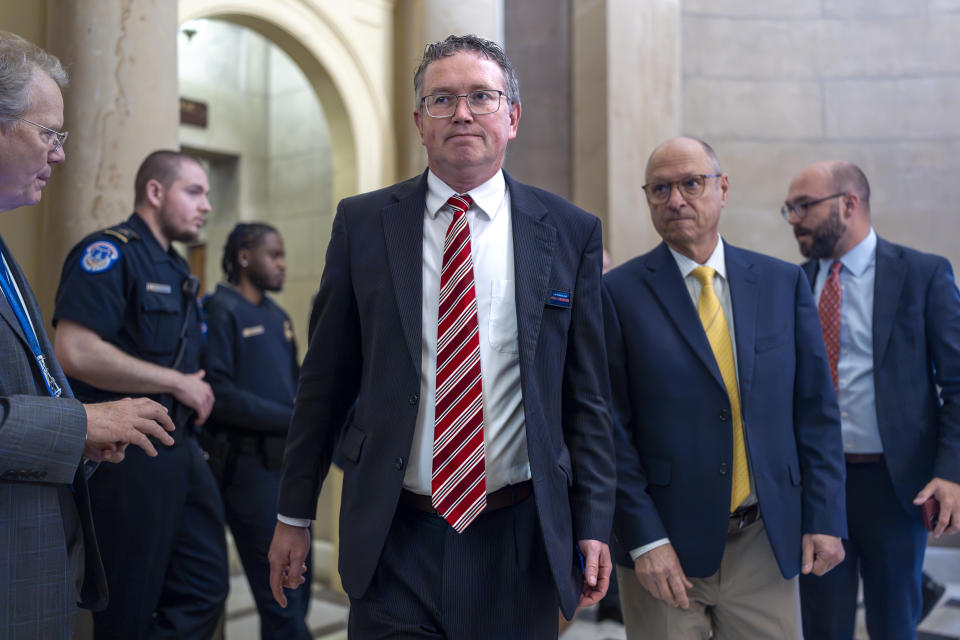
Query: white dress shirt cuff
[[294, 522], [639, 551]]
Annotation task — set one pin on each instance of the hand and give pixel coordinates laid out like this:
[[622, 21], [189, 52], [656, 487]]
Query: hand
[[193, 392], [287, 550], [111, 426], [596, 571], [660, 573], [948, 494], [820, 553]]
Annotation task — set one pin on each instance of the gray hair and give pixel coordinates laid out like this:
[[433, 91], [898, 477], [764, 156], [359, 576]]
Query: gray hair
[[484, 48], [20, 62]]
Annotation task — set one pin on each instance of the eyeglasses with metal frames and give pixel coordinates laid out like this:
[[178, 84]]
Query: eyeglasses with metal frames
[[480, 102], [55, 138], [801, 209], [690, 187]]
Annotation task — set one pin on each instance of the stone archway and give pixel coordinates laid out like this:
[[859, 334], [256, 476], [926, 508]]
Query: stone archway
[[355, 95]]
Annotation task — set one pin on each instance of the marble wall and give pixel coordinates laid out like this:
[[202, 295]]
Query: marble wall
[[776, 85], [268, 149]]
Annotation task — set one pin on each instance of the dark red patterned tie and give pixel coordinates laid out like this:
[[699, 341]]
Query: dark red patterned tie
[[459, 479], [829, 309]]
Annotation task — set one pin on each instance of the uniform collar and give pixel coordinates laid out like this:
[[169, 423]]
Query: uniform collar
[[153, 245]]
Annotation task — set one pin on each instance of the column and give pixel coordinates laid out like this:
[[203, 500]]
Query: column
[[121, 103], [416, 23], [626, 100]]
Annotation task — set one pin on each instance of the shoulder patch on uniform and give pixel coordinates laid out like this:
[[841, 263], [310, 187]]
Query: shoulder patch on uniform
[[123, 234], [99, 256]]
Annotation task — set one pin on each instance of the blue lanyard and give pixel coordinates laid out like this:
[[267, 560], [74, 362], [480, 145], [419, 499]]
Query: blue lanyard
[[10, 292]]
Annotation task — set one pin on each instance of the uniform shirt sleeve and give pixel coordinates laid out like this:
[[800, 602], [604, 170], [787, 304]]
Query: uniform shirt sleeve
[[91, 292]]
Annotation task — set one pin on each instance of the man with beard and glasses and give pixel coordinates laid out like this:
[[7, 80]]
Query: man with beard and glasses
[[128, 323], [251, 363], [891, 325]]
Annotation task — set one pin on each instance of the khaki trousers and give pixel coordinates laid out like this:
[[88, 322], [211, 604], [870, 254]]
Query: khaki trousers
[[746, 599]]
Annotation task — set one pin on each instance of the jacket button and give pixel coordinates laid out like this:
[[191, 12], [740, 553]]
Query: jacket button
[[398, 463], [724, 415], [724, 468], [414, 398]]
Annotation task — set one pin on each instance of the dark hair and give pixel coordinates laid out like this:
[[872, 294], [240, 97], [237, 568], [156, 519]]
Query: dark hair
[[162, 166], [246, 235], [485, 48], [20, 63], [848, 177]]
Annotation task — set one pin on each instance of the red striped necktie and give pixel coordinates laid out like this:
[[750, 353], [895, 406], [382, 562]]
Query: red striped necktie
[[831, 299], [459, 480]]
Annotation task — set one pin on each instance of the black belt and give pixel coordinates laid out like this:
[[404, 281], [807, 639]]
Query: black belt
[[743, 517], [507, 497], [862, 458]]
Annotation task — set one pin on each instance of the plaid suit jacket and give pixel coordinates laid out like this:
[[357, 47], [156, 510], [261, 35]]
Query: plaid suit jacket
[[49, 562]]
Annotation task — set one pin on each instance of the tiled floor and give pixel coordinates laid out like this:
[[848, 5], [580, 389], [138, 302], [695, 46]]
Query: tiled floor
[[328, 610]]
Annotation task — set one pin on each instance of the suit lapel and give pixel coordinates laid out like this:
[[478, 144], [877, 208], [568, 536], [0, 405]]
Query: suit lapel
[[403, 235], [888, 284], [811, 267], [667, 285], [5, 309], [743, 296], [533, 244]]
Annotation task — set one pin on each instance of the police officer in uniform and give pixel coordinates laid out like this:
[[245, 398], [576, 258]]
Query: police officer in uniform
[[127, 323], [251, 363]]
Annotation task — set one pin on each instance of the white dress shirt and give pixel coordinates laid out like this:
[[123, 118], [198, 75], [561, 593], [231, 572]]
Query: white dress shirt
[[491, 244]]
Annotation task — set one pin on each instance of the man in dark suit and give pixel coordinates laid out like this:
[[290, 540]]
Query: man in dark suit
[[49, 560], [891, 323], [729, 466], [460, 305]]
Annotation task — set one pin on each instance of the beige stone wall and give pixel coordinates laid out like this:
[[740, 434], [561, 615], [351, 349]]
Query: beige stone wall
[[779, 84], [270, 149]]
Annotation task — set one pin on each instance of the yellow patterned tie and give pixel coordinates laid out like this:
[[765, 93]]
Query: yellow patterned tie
[[715, 324]]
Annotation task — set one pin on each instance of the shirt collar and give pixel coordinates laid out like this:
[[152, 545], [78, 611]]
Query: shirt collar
[[859, 258], [716, 261], [487, 197]]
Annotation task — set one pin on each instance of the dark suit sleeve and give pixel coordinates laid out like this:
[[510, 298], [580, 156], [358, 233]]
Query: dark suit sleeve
[[817, 423], [41, 438], [586, 417], [943, 341], [329, 380], [636, 521]]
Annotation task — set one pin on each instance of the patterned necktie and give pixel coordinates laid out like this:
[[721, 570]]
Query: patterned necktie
[[459, 481], [831, 298], [715, 325]]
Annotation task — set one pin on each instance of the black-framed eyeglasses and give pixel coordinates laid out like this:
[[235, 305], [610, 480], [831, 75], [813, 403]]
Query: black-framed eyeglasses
[[480, 102], [800, 209], [690, 187], [54, 138]]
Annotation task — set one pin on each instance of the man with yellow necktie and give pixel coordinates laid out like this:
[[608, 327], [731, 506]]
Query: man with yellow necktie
[[729, 460]]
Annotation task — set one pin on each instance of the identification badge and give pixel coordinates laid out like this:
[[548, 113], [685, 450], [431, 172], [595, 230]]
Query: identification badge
[[159, 287], [559, 299], [249, 332]]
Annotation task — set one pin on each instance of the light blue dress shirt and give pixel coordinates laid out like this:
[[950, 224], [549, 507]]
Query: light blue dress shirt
[[856, 395]]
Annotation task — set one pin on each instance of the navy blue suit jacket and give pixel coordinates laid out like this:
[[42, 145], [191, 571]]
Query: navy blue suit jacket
[[916, 348], [672, 425], [363, 366]]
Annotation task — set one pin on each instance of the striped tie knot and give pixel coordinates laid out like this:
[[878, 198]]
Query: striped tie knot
[[459, 203]]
